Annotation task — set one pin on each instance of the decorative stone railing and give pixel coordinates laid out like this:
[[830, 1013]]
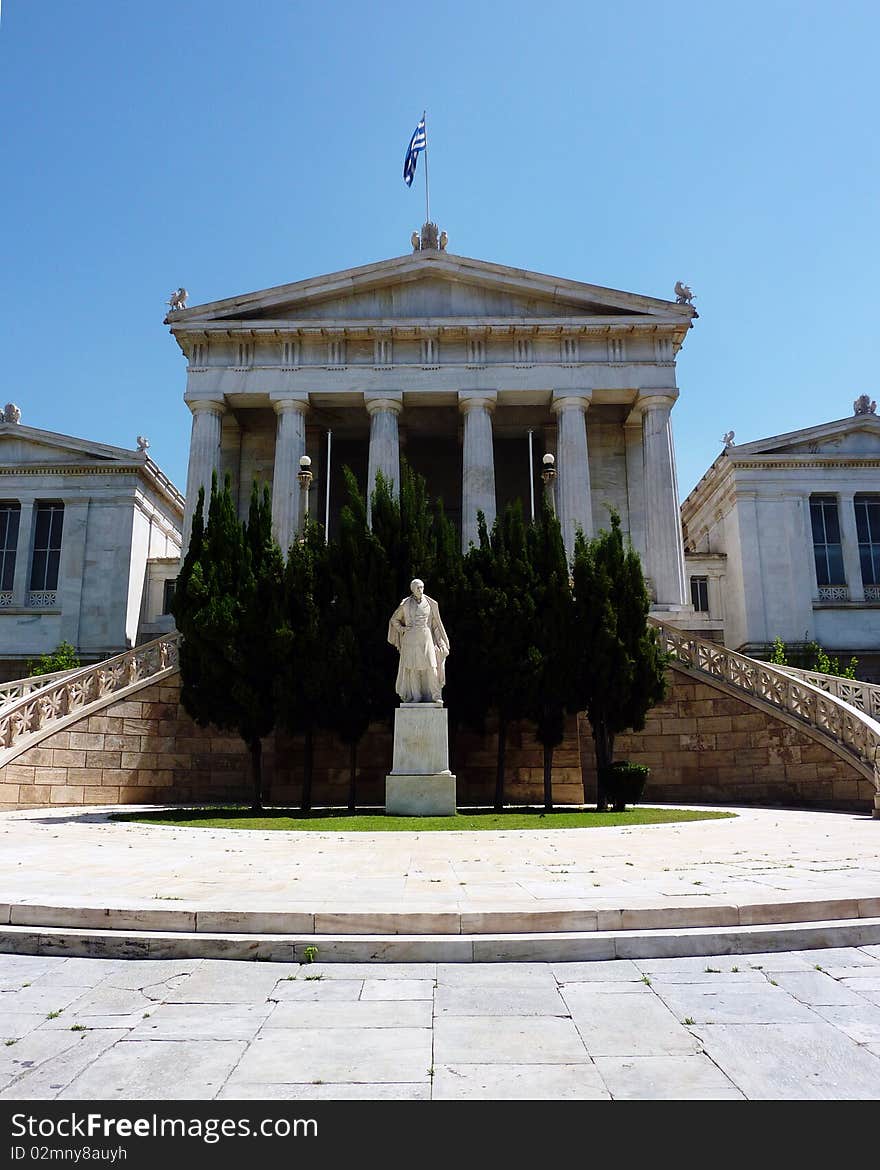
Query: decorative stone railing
[[862, 695], [42, 599], [66, 698], [12, 691], [834, 718], [7, 599]]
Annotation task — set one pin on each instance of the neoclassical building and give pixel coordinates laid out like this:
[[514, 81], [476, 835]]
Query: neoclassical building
[[89, 545], [783, 540], [474, 371]]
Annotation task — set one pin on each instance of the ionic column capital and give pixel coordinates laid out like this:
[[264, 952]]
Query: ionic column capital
[[469, 400], [290, 402], [565, 400], [391, 401]]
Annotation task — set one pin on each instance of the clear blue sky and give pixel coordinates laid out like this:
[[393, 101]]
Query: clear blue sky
[[229, 146]]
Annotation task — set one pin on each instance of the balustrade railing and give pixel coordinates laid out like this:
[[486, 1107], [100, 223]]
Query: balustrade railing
[[834, 716], [17, 689], [72, 691], [863, 695]]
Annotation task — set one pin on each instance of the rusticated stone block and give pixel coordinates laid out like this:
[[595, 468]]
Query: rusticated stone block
[[31, 793], [103, 759], [66, 794], [66, 758]]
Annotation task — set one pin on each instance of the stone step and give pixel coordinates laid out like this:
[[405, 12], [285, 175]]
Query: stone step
[[196, 919], [448, 948]]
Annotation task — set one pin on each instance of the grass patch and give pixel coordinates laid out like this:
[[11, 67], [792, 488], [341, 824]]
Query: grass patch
[[337, 821]]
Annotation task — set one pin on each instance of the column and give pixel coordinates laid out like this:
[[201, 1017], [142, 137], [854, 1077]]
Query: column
[[574, 502], [635, 480], [290, 446], [849, 539], [204, 458], [383, 410], [478, 464], [665, 551]]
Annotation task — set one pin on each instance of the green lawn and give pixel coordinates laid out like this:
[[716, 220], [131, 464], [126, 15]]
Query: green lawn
[[339, 821]]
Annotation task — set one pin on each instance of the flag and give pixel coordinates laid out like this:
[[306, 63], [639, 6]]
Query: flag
[[418, 142]]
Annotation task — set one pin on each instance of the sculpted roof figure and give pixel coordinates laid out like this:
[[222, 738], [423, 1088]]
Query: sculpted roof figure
[[417, 632]]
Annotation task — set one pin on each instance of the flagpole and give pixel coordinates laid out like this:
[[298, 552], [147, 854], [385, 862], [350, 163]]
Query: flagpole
[[427, 200]]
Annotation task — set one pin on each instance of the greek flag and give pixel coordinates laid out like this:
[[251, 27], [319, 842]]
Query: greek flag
[[418, 142]]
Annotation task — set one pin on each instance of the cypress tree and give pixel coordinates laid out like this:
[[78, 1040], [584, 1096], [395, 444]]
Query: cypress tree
[[548, 676], [619, 670], [303, 691], [226, 607]]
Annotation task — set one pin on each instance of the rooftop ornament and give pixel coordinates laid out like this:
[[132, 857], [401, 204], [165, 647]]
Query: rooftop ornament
[[862, 405], [10, 413], [177, 300]]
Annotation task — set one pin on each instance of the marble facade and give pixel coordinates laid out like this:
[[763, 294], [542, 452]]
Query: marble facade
[[471, 370], [749, 531], [117, 540]]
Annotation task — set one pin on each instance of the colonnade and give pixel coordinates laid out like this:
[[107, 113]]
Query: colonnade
[[664, 559]]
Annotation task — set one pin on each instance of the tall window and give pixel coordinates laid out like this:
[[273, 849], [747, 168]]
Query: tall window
[[10, 514], [700, 594], [168, 588], [868, 528], [826, 541], [48, 522]]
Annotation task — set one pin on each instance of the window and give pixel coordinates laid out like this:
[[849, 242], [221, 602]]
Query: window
[[168, 594], [826, 541], [700, 594], [48, 522], [10, 514], [868, 528]]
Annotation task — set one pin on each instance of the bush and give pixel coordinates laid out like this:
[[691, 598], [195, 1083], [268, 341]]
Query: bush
[[63, 657], [624, 783]]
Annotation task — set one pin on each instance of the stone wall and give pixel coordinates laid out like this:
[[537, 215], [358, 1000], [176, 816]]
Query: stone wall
[[701, 745]]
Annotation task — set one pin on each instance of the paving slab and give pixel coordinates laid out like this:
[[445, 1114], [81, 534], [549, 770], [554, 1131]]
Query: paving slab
[[361, 1014], [226, 983], [507, 1040], [173, 1070], [624, 970], [185, 1021], [54, 1074], [818, 988], [715, 1005], [334, 1091], [797, 1061], [33, 1050], [398, 989], [343, 1055], [665, 1078], [626, 1025], [498, 1001], [861, 1023], [518, 1082], [320, 990], [495, 975]]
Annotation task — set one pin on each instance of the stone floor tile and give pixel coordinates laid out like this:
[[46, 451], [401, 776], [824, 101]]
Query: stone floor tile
[[14, 1025], [699, 969], [829, 957], [140, 974], [33, 1050], [320, 990], [171, 1070], [665, 1078], [369, 970], [338, 1055], [798, 1061], [817, 988], [715, 1005], [398, 989], [46, 1081], [227, 983], [327, 1092], [861, 1023], [186, 1021], [498, 1001], [495, 975], [518, 1082], [500, 1040], [610, 970], [359, 1014], [626, 1025]]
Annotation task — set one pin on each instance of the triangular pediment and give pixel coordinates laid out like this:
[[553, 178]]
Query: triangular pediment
[[20, 446], [432, 286], [857, 435]]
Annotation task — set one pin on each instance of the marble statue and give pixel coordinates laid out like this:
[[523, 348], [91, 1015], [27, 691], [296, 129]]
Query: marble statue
[[417, 632], [728, 439], [864, 405], [143, 444], [177, 300], [11, 414], [683, 295]]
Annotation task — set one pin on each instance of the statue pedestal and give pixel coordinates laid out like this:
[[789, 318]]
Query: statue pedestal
[[420, 783]]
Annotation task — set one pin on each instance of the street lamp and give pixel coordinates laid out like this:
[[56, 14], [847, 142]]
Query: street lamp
[[305, 477], [548, 475]]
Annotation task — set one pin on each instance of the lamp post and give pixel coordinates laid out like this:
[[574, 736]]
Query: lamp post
[[305, 477], [548, 475]]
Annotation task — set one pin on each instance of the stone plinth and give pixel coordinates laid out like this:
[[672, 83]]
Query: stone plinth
[[420, 783]]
